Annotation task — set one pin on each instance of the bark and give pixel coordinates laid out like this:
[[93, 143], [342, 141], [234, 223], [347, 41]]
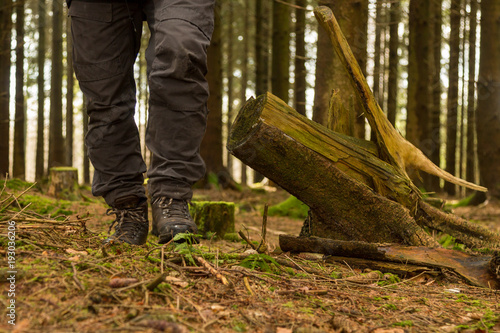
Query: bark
[[471, 114], [300, 84], [392, 89], [488, 103], [56, 139], [19, 163], [5, 63], [40, 141], [70, 87], [213, 217], [452, 104], [353, 19], [281, 51]]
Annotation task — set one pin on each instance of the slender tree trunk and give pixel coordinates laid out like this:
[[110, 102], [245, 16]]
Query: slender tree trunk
[[230, 77], [262, 29], [244, 75], [281, 51], [418, 120], [488, 101], [40, 141], [19, 165], [56, 139], [451, 118], [330, 74], [435, 114], [211, 147], [86, 160], [376, 55], [392, 89], [70, 87], [300, 58], [5, 63], [471, 115]]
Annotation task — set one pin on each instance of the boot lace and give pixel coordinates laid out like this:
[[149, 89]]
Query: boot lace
[[128, 221], [173, 208]]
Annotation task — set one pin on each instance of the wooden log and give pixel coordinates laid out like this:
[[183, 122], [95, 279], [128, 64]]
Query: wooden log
[[329, 172], [213, 217], [474, 269], [63, 183]]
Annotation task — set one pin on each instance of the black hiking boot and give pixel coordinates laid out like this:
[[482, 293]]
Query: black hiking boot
[[131, 220], [171, 217]]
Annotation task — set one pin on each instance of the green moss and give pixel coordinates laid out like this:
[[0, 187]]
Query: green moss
[[17, 184], [46, 206], [291, 207], [63, 169]]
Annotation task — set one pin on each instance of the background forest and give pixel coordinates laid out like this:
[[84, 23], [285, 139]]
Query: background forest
[[434, 67]]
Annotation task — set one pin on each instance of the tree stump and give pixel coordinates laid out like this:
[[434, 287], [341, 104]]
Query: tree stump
[[213, 217], [63, 183]]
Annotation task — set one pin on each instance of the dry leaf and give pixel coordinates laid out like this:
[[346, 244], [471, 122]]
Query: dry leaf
[[75, 258], [283, 330]]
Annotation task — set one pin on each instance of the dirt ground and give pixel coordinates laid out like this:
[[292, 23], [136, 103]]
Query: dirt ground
[[66, 281]]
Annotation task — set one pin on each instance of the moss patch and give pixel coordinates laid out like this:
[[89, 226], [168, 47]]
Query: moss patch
[[291, 207], [17, 184], [46, 206]]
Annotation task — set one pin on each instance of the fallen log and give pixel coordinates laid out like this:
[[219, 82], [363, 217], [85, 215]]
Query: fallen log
[[478, 270]]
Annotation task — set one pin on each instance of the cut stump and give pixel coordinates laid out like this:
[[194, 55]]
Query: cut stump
[[213, 217], [63, 183]]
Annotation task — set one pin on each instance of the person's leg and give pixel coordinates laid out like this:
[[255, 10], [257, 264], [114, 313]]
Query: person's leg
[[177, 64], [106, 40]]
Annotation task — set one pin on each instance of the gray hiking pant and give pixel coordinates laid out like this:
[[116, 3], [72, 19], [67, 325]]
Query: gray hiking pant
[[106, 43]]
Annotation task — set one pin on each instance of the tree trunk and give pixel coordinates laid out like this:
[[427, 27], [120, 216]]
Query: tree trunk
[[471, 90], [70, 87], [211, 146], [451, 118], [300, 84], [353, 20], [40, 141], [56, 139], [86, 160], [418, 119], [5, 63], [392, 89], [19, 163], [281, 51], [435, 112], [230, 77], [488, 103], [244, 75], [377, 70], [262, 30]]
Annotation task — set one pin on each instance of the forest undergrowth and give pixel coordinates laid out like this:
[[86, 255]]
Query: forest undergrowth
[[66, 281]]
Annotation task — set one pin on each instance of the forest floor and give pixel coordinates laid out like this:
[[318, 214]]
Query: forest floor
[[66, 282]]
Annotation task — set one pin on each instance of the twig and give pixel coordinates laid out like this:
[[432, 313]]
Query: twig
[[245, 238], [262, 248], [15, 198], [75, 277], [247, 285], [212, 270]]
